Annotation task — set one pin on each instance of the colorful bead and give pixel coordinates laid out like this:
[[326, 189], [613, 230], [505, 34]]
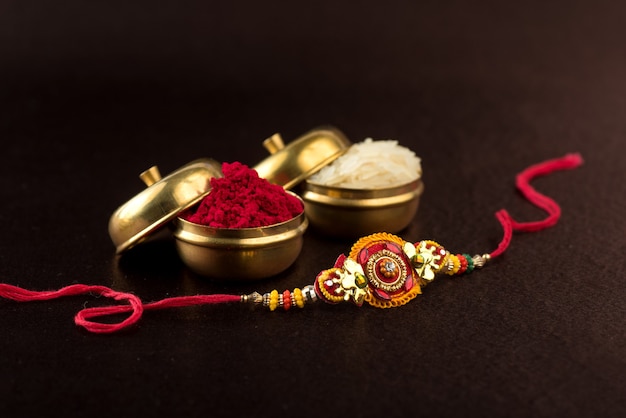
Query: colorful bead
[[298, 298], [286, 300], [454, 265], [480, 260], [254, 297], [273, 300], [463, 262], [308, 292], [470, 263]]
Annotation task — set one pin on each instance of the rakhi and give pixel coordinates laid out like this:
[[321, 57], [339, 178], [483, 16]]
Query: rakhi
[[381, 270]]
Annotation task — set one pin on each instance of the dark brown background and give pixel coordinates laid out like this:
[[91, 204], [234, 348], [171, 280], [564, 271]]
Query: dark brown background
[[92, 93]]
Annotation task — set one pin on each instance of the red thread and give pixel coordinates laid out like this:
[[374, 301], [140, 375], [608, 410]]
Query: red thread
[[523, 179], [134, 306], [174, 302]]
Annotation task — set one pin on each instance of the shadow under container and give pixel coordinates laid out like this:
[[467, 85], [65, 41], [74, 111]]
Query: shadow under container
[[242, 253]]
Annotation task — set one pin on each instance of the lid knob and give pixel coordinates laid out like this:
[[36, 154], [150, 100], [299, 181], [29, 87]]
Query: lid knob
[[150, 176], [274, 143], [290, 164]]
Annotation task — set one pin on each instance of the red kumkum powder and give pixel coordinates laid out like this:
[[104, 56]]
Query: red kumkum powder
[[241, 199]]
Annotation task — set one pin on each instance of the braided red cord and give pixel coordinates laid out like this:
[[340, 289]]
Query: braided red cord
[[134, 306], [509, 225]]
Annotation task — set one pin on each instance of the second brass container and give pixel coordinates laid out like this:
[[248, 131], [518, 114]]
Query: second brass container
[[243, 253], [351, 213]]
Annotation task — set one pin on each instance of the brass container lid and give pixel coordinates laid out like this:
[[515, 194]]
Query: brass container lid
[[290, 164], [162, 201]]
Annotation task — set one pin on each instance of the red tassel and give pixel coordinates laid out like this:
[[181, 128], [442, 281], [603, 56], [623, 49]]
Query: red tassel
[[509, 225]]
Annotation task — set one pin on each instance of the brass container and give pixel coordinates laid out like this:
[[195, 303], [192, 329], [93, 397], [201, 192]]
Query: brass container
[[334, 211], [240, 254], [351, 213]]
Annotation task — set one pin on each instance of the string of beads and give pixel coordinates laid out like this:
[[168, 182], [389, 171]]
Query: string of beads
[[458, 264], [285, 300]]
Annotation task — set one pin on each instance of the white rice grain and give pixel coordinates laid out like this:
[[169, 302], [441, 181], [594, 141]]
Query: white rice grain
[[371, 165]]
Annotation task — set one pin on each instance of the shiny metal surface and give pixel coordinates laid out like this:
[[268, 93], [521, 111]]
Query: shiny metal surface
[[290, 164], [352, 213], [240, 254], [161, 202]]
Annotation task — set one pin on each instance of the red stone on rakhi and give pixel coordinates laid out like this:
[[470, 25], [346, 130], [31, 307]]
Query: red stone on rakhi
[[381, 294], [365, 253], [340, 260], [408, 285]]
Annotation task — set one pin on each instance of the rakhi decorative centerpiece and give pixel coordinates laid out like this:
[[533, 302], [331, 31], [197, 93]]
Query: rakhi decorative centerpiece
[[381, 270]]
